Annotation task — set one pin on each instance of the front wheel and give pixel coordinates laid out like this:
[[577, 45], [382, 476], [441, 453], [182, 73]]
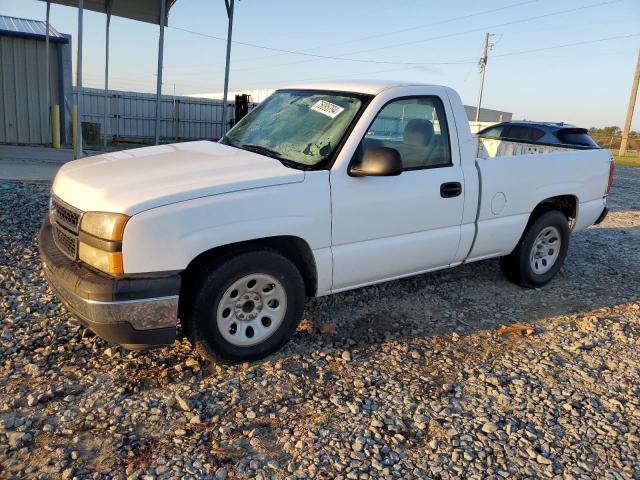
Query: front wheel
[[540, 253], [247, 307]]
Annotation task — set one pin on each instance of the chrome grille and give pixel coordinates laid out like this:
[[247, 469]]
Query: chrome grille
[[66, 227], [65, 241], [66, 215]]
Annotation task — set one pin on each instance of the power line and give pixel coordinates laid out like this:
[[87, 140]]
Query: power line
[[462, 62], [287, 52], [184, 70], [511, 22], [448, 35], [403, 30], [586, 42], [296, 52], [382, 62], [472, 61]]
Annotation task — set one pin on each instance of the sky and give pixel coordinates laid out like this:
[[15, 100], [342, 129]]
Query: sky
[[550, 60]]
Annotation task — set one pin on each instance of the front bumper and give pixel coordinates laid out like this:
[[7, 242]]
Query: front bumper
[[138, 311]]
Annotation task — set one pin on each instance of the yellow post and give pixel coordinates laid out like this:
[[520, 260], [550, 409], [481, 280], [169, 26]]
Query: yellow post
[[74, 128], [55, 126]]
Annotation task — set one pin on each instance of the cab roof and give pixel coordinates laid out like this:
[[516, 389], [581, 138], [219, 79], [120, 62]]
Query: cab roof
[[369, 87]]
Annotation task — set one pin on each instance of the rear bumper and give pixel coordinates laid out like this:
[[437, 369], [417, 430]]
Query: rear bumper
[[136, 312], [602, 216]]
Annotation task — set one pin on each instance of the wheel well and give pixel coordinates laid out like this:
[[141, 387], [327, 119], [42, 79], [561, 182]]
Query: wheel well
[[294, 248], [567, 204]]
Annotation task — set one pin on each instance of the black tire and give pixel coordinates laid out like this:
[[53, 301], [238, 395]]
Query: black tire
[[201, 326], [516, 266]]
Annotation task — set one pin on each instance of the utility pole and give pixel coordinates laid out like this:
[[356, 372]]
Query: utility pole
[[483, 67], [229, 5], [632, 104], [163, 21], [106, 75]]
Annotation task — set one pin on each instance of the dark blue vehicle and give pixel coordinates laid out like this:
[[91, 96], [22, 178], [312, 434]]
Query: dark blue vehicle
[[540, 133]]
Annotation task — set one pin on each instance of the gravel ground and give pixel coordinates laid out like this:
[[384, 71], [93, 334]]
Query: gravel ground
[[415, 381]]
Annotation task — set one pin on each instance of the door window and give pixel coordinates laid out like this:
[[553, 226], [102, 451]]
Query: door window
[[492, 132], [417, 128], [523, 133]]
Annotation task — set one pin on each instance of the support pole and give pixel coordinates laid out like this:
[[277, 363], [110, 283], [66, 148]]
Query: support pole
[[229, 5], [47, 69], [78, 148], [55, 126], [106, 75], [483, 67], [632, 105], [163, 15]]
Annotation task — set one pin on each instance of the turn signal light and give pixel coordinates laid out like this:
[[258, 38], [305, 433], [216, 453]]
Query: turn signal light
[[108, 262]]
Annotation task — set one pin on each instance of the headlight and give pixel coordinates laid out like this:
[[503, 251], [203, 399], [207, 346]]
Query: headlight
[[100, 241], [108, 226], [52, 218]]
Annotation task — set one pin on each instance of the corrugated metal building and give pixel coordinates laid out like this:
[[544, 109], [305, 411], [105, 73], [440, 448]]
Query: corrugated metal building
[[24, 110], [487, 115]]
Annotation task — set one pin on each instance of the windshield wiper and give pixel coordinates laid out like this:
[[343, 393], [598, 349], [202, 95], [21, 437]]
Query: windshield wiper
[[264, 150], [273, 154]]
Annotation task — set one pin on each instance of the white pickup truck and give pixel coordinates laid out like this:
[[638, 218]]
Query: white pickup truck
[[321, 188]]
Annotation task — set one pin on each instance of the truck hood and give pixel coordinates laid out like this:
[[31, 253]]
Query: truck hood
[[131, 181]]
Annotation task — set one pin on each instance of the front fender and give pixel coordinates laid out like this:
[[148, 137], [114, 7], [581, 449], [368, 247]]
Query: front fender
[[169, 237]]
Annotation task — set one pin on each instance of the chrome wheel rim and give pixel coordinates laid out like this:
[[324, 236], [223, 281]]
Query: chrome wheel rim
[[545, 250], [251, 310]]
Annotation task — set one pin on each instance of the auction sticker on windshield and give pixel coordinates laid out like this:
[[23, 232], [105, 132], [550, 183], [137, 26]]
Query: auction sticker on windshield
[[327, 108]]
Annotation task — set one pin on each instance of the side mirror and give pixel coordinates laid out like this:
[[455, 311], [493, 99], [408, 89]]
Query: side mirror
[[377, 162]]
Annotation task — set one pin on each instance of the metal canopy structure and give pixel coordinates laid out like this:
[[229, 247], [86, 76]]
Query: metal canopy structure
[[141, 10], [150, 11]]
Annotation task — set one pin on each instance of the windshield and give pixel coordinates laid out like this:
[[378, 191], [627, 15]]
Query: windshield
[[301, 128]]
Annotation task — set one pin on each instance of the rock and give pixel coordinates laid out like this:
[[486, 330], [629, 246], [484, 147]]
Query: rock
[[358, 445], [17, 439], [543, 460], [182, 403], [492, 380], [489, 427], [346, 355], [221, 473]]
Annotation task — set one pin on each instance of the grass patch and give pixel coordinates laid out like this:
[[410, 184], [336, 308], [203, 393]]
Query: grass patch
[[630, 159]]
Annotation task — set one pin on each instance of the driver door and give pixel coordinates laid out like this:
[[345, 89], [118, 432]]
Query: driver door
[[389, 227]]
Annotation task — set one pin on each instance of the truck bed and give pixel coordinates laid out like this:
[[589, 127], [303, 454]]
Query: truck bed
[[512, 185]]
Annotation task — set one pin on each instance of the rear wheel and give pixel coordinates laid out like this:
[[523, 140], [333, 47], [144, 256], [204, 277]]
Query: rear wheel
[[541, 251], [247, 307]]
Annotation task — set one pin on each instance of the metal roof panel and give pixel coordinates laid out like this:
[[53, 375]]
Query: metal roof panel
[[27, 27]]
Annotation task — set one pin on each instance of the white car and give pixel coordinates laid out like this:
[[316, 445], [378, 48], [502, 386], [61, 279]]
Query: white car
[[321, 188]]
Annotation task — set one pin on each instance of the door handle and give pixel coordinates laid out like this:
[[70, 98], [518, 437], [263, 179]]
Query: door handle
[[450, 189]]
